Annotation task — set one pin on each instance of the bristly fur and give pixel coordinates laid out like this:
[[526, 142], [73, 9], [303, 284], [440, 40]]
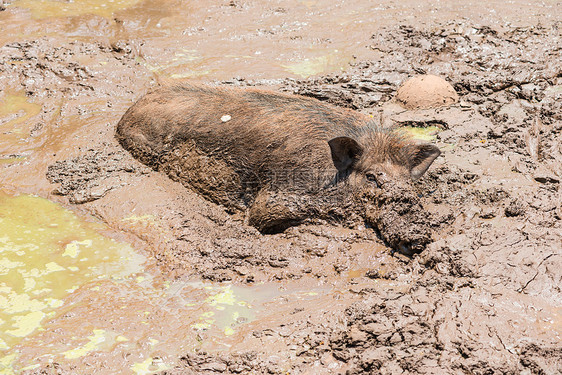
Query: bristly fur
[[391, 144]]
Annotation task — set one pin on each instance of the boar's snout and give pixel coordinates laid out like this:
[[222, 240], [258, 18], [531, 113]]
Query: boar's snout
[[395, 210]]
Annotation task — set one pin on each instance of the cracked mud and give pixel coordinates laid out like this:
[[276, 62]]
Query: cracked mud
[[484, 297]]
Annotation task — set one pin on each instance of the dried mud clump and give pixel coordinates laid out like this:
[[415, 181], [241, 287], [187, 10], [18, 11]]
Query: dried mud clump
[[91, 176], [239, 363], [385, 337], [426, 91], [416, 333]]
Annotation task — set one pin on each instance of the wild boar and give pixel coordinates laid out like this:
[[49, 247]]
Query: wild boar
[[282, 159]]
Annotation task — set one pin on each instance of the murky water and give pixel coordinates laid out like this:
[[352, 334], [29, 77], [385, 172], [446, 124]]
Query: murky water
[[53, 8], [172, 38], [15, 127], [68, 292], [423, 134], [46, 253]]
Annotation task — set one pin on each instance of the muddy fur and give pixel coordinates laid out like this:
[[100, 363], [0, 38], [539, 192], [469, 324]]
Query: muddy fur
[[288, 159]]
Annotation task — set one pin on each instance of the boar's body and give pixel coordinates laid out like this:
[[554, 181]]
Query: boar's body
[[278, 155], [228, 143], [257, 133]]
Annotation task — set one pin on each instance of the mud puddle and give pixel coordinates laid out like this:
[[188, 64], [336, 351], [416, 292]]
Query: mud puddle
[[59, 272], [171, 39], [70, 294], [47, 254]]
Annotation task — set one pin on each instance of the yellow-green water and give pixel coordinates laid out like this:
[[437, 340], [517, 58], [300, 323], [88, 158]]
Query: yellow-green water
[[424, 134], [224, 307], [68, 292], [14, 132], [16, 103], [46, 253]]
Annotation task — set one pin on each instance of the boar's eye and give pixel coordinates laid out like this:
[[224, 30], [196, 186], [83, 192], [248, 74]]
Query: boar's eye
[[372, 179]]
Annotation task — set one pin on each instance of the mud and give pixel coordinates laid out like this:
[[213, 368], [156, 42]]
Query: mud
[[484, 297]]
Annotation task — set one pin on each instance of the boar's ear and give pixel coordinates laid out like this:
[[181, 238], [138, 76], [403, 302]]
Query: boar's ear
[[420, 158], [345, 151]]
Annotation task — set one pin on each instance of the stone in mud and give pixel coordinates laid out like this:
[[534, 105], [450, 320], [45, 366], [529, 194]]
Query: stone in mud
[[282, 159], [426, 91]]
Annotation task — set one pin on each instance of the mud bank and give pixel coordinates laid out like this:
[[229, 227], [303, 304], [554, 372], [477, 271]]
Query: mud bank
[[483, 298]]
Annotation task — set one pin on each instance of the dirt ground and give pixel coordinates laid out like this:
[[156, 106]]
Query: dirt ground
[[484, 297]]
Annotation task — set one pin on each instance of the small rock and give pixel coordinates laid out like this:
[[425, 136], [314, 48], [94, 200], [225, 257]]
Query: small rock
[[213, 366], [380, 274], [377, 329], [395, 339]]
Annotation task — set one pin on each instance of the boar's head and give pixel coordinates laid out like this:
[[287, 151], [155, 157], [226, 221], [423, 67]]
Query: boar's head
[[379, 166]]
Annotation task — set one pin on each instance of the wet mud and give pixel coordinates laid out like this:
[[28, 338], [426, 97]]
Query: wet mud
[[483, 297]]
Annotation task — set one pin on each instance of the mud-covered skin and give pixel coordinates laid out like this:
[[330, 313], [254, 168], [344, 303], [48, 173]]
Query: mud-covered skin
[[399, 216], [286, 158]]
